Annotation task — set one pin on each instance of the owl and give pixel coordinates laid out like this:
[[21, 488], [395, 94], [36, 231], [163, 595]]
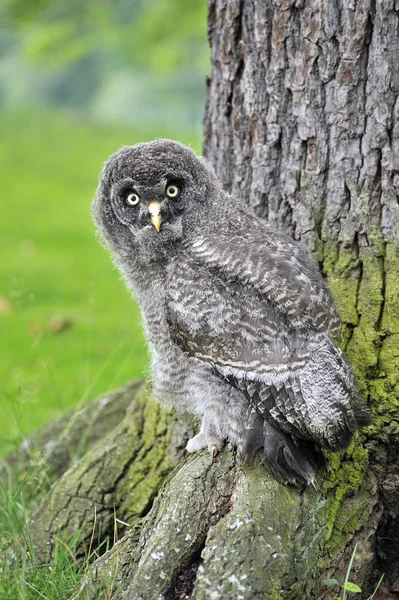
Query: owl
[[237, 316]]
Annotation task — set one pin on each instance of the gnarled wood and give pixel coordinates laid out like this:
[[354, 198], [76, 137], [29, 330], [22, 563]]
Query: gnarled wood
[[120, 474], [52, 449]]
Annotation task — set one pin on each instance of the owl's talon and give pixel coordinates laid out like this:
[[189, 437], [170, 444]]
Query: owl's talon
[[214, 451]]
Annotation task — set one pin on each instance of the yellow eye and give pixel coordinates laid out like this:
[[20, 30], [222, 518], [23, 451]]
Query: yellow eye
[[172, 191], [132, 199]]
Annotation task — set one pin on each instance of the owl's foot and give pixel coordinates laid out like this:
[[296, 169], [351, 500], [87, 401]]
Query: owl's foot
[[202, 440]]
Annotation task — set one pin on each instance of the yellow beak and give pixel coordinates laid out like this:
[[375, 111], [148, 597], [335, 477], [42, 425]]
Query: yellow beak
[[155, 214]]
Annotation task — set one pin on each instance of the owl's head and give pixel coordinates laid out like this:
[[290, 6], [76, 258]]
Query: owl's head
[[151, 196]]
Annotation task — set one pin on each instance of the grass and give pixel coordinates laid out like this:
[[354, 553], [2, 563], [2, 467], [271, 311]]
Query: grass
[[349, 586], [55, 274], [69, 330], [26, 579]]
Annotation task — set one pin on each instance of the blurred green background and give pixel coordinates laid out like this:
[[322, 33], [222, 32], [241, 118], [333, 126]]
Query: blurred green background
[[77, 81]]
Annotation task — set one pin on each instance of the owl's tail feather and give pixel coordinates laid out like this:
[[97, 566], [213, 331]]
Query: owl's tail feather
[[290, 461], [319, 402]]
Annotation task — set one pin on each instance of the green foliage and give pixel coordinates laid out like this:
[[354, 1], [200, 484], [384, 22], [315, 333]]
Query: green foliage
[[331, 582], [161, 35], [350, 586], [176, 27], [54, 271], [376, 588], [125, 61]]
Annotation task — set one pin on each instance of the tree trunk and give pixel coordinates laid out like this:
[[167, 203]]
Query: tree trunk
[[302, 123]]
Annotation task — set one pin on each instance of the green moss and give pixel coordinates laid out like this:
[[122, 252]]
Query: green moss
[[152, 459], [347, 472], [274, 592], [365, 286], [343, 277], [390, 318], [348, 467], [384, 385], [364, 345]]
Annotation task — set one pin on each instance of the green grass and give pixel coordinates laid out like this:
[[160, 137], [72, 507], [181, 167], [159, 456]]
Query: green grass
[[24, 578], [53, 266]]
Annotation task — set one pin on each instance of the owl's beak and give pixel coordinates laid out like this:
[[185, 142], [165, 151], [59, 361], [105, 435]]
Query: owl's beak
[[154, 210]]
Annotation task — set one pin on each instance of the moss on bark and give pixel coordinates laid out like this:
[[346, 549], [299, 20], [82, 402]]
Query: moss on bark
[[122, 472]]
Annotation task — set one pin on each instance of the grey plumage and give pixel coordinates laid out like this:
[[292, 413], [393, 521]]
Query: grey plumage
[[237, 316]]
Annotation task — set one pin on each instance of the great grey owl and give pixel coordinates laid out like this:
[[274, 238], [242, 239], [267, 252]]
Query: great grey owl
[[237, 317]]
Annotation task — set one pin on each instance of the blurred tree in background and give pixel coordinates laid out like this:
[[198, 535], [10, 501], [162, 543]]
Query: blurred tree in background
[[125, 60]]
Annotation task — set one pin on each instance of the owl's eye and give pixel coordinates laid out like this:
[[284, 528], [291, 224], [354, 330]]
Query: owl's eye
[[172, 191], [132, 199]]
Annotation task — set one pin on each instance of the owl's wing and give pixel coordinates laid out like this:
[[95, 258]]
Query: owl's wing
[[278, 269], [295, 377], [301, 383]]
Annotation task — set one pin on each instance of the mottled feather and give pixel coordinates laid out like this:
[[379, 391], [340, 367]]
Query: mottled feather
[[283, 370]]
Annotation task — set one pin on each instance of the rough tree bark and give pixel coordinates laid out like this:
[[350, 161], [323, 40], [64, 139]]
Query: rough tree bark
[[302, 122]]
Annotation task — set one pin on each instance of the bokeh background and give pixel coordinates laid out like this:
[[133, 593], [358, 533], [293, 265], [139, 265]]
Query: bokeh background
[[77, 81]]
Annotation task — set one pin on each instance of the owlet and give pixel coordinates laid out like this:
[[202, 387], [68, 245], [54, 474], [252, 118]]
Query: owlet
[[237, 317]]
